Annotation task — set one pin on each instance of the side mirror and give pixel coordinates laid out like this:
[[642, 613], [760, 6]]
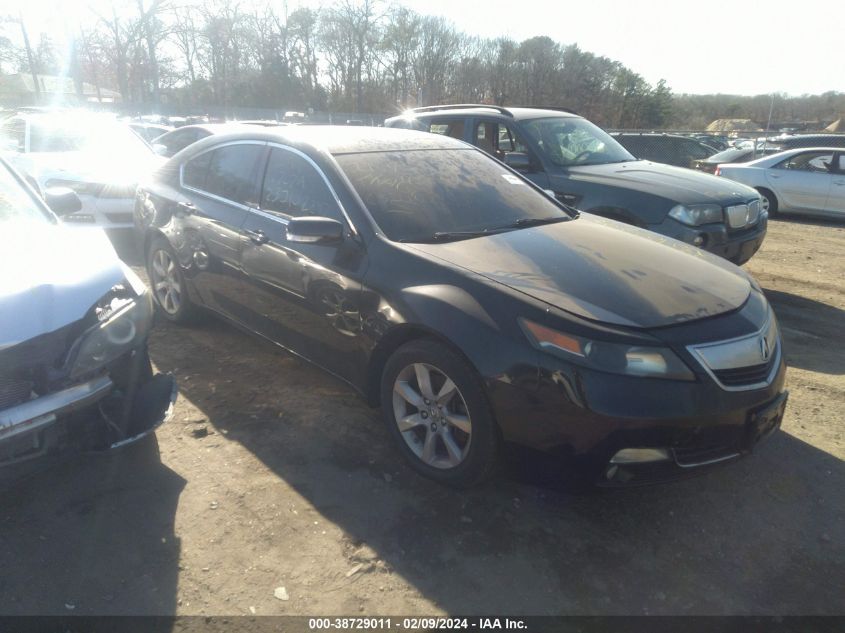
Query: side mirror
[[160, 149], [62, 201], [518, 161], [315, 230]]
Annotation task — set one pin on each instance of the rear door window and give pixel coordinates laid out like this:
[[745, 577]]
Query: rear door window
[[448, 127], [195, 171], [818, 162], [232, 173]]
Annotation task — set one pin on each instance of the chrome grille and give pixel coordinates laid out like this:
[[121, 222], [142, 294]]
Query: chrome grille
[[753, 211], [747, 362], [737, 216], [751, 375]]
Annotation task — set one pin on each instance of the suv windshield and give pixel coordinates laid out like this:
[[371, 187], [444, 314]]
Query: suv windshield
[[16, 205], [572, 141], [418, 196]]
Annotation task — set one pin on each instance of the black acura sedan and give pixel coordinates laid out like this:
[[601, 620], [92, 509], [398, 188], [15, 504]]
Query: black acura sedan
[[476, 310]]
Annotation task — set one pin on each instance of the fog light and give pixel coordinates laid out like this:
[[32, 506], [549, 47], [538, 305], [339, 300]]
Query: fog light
[[699, 240], [640, 456]]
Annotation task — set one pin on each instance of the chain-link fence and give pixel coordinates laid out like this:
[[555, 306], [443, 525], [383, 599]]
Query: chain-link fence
[[193, 114]]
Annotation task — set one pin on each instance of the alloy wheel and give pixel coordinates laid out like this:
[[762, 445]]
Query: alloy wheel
[[432, 416], [165, 280], [338, 311]]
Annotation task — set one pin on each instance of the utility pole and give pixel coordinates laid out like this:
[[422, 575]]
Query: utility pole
[[768, 125], [29, 57], [771, 109]]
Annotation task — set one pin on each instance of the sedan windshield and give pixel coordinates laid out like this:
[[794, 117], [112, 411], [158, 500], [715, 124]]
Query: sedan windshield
[[431, 195], [573, 141], [16, 204]]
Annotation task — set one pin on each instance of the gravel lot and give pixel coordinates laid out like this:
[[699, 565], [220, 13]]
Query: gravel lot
[[273, 474]]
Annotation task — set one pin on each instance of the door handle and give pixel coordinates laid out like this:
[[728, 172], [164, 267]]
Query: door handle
[[185, 208], [775, 176], [257, 237]]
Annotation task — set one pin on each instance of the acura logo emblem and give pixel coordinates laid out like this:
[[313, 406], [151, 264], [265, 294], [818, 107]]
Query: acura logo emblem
[[764, 348]]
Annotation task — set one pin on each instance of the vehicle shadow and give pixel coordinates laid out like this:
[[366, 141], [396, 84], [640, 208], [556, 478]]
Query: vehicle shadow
[[813, 334], [797, 218], [91, 535], [754, 537], [125, 246]]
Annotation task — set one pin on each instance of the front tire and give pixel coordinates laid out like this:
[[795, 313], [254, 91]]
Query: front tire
[[436, 410], [170, 291]]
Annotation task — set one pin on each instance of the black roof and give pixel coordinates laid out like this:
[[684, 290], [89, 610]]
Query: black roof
[[341, 139]]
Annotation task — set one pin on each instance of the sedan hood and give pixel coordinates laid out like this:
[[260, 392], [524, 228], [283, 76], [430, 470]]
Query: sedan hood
[[678, 184], [89, 167], [605, 271], [57, 274]]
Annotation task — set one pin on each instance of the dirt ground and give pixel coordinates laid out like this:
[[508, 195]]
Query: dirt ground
[[273, 474]]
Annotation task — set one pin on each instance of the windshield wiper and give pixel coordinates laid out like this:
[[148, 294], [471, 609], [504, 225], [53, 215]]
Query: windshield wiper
[[447, 236], [522, 222]]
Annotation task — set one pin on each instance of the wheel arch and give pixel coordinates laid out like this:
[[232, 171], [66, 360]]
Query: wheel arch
[[774, 195], [393, 340]]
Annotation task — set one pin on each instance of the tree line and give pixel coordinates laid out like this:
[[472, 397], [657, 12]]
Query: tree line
[[352, 56]]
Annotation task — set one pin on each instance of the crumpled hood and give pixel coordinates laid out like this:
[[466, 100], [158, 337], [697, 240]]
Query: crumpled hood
[[51, 276], [684, 186], [605, 271]]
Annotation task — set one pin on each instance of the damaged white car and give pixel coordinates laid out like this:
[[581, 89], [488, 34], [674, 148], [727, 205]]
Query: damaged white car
[[74, 322]]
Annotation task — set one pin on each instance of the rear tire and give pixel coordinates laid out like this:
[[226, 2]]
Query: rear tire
[[170, 291], [437, 413], [770, 201]]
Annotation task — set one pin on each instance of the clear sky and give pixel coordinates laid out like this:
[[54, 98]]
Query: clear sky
[[698, 46]]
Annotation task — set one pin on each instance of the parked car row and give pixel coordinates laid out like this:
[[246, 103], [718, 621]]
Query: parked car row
[[455, 282]]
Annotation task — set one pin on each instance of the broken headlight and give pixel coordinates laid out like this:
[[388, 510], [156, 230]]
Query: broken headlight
[[122, 323]]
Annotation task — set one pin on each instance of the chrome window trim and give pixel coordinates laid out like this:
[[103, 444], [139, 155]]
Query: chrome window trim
[[322, 174], [182, 185], [695, 351]]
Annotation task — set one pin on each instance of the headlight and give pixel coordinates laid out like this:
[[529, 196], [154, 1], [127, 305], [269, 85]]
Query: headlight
[[697, 214], [88, 188], [117, 333], [616, 358]]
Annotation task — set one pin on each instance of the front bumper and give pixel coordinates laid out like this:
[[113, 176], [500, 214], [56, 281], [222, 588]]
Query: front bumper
[[573, 420], [98, 414], [103, 212], [735, 245]]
